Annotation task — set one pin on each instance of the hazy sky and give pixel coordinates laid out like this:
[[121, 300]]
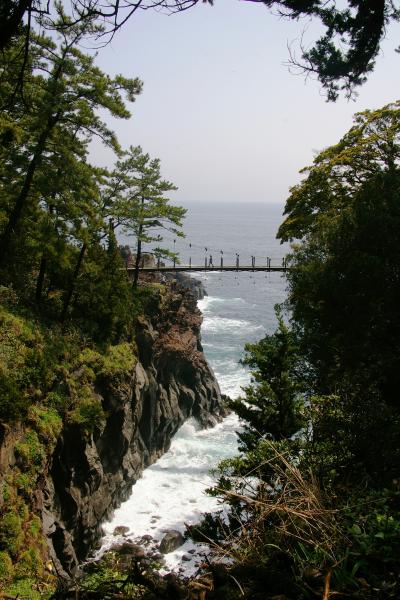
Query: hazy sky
[[220, 108]]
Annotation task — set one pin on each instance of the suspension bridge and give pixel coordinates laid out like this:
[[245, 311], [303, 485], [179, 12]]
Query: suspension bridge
[[152, 264], [160, 267], [231, 268]]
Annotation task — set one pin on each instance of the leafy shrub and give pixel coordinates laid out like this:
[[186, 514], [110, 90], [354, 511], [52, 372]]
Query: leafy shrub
[[13, 403], [29, 564], [11, 535], [46, 421], [6, 567], [8, 295], [30, 453], [27, 589], [89, 414], [35, 527], [118, 359]]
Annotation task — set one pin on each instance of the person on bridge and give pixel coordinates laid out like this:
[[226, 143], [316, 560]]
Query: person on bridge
[[210, 261]]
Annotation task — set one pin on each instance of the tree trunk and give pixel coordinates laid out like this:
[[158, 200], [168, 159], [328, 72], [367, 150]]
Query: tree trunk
[[43, 266], [138, 257], [40, 280], [12, 19], [23, 195], [73, 281], [138, 250]]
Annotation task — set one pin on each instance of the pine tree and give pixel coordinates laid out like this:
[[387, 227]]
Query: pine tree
[[271, 404], [140, 204]]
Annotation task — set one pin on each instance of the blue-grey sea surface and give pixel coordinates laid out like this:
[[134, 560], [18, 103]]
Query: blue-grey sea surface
[[240, 306]]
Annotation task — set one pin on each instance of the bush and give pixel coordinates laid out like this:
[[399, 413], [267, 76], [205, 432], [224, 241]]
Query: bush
[[119, 359], [11, 535], [30, 453], [6, 567], [46, 421], [13, 403], [89, 414], [29, 564]]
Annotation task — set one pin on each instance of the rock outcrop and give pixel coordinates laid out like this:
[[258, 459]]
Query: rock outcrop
[[92, 474], [193, 285]]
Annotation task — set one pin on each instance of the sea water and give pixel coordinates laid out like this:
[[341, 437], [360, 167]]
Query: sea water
[[238, 309]]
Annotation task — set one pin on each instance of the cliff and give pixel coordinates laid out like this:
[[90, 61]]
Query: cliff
[[91, 474]]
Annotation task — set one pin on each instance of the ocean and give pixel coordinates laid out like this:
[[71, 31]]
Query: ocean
[[239, 308]]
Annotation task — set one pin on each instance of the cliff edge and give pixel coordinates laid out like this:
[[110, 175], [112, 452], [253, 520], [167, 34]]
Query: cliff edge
[[91, 471]]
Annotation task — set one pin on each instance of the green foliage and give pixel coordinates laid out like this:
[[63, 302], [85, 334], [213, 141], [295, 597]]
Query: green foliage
[[370, 147], [6, 567], [271, 405], [35, 527], [11, 534], [52, 196], [344, 291], [8, 295], [118, 360], [29, 589], [326, 501], [30, 452], [373, 526], [103, 302], [139, 203], [67, 309], [47, 422], [28, 352], [89, 414], [29, 564], [148, 299], [12, 404]]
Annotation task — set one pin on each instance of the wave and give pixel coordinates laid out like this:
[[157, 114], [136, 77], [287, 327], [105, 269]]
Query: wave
[[209, 301], [213, 324], [153, 508], [231, 383]]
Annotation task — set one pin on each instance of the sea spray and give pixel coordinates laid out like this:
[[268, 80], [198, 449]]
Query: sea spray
[[171, 492]]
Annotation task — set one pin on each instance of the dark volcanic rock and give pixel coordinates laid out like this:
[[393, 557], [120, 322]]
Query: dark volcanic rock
[[193, 285], [120, 530], [129, 549], [171, 541], [90, 475]]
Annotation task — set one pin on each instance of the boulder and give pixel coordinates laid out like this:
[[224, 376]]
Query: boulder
[[146, 539], [121, 530], [129, 549], [171, 541]]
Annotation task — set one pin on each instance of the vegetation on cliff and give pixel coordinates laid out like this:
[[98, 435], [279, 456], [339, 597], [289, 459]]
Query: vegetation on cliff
[[314, 494], [50, 377], [68, 311], [314, 500]]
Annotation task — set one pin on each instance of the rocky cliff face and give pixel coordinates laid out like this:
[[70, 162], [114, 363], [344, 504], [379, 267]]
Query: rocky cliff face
[[91, 475]]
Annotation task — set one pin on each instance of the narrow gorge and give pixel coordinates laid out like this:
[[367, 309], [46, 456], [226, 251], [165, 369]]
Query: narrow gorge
[[89, 474]]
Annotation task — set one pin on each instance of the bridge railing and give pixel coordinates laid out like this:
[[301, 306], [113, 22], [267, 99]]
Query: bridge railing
[[255, 263]]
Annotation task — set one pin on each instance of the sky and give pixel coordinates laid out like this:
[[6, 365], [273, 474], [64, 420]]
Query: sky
[[220, 107]]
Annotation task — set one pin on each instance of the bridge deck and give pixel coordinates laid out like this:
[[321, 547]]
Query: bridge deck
[[203, 268]]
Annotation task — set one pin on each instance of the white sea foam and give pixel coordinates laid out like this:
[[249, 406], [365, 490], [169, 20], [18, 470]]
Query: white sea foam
[[231, 384], [208, 302], [217, 324], [171, 492]]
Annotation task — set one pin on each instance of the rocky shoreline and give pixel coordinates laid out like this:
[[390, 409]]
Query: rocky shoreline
[[90, 476]]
